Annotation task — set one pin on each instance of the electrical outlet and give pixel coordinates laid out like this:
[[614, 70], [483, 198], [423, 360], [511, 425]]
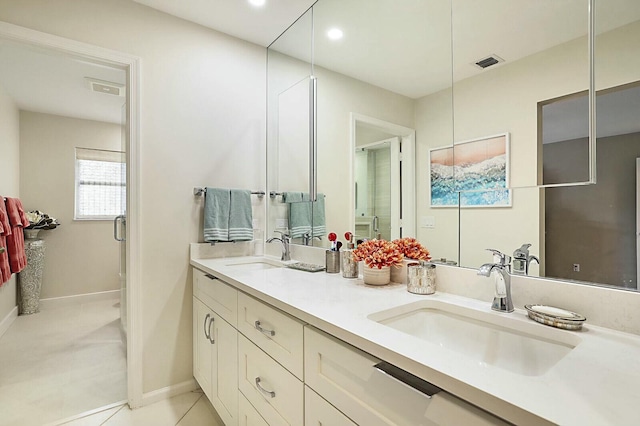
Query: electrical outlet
[[282, 223], [576, 267]]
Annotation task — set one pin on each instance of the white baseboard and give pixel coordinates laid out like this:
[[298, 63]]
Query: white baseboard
[[8, 320], [165, 393], [77, 299]]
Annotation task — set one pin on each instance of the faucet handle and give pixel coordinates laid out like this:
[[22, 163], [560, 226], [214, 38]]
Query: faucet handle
[[285, 236], [522, 252], [503, 258]]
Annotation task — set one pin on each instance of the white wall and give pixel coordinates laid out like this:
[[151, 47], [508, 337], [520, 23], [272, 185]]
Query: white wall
[[9, 178], [202, 123], [434, 128], [82, 256], [338, 96]]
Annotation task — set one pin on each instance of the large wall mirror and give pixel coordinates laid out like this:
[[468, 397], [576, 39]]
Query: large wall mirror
[[375, 62], [489, 87], [584, 233]]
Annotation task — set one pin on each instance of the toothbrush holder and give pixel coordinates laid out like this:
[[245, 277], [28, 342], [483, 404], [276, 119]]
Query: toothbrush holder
[[332, 261]]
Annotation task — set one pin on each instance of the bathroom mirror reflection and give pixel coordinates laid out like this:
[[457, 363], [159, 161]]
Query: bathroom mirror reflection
[[536, 88], [377, 71], [586, 233]]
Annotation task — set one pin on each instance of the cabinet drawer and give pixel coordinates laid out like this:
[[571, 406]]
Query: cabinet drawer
[[247, 415], [318, 412], [215, 293], [275, 332], [274, 392], [348, 378]]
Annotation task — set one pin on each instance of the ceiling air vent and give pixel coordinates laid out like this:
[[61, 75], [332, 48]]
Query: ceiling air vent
[[488, 61], [107, 87]]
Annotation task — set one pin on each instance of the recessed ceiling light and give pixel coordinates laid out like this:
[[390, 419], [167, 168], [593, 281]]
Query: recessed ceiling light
[[335, 34], [257, 3]]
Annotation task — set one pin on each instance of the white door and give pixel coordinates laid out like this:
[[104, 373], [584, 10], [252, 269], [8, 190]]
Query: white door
[[378, 189]]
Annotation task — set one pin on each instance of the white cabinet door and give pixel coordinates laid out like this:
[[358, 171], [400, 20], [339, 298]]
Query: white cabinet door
[[318, 412], [247, 415], [202, 327], [224, 371]]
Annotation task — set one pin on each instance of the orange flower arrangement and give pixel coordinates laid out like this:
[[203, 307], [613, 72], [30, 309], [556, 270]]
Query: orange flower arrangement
[[412, 249], [378, 253]]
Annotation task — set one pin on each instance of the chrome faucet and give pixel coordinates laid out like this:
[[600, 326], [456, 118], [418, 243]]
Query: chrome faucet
[[502, 301], [522, 259], [307, 238], [285, 239]]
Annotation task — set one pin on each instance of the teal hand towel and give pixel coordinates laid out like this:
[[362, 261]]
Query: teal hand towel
[[319, 219], [299, 213], [291, 197], [216, 214], [302, 212], [240, 216]]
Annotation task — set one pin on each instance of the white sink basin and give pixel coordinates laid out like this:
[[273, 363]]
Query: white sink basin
[[510, 343], [255, 264]]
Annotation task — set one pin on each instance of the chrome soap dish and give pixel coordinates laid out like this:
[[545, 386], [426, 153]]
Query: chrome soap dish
[[555, 317]]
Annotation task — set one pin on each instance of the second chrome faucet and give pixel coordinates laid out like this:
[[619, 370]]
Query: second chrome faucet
[[285, 239], [501, 265]]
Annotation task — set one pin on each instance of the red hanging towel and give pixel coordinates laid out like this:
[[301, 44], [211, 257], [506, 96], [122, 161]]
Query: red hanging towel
[[15, 241], [5, 229]]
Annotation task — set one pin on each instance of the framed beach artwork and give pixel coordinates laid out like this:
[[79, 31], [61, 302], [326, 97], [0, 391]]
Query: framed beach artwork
[[474, 173]]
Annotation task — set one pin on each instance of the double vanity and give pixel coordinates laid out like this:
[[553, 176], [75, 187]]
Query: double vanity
[[277, 346]]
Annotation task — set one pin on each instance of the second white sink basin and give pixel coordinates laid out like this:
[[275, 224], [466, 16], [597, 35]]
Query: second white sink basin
[[255, 264], [489, 338]]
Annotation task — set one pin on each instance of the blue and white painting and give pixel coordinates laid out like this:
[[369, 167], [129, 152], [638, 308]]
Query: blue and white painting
[[471, 173]]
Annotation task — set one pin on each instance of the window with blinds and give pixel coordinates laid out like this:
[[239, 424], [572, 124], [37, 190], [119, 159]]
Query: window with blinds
[[100, 184]]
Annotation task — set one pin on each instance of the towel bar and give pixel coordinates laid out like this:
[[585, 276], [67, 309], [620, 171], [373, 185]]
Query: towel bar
[[202, 191]]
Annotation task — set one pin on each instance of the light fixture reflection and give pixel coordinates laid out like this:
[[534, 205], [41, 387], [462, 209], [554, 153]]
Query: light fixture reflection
[[257, 3], [335, 34]]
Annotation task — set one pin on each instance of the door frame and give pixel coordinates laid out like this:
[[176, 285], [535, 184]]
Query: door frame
[[407, 211], [131, 65], [637, 223]]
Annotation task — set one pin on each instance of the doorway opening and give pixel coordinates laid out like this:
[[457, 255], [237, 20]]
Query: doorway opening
[[84, 353]]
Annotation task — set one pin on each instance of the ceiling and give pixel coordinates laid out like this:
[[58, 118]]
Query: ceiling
[[400, 45], [259, 25], [54, 84]]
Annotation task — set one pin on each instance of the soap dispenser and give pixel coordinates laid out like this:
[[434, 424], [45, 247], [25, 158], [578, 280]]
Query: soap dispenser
[[349, 264]]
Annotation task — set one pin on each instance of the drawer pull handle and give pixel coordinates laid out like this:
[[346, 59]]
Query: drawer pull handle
[[211, 339], [211, 277], [264, 331], [407, 379], [271, 394], [207, 332]]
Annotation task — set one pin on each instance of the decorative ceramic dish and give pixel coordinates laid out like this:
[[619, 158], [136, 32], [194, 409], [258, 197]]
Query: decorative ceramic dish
[[555, 317]]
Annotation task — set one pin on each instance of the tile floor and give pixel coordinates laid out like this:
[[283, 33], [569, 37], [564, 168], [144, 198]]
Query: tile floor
[[188, 409], [61, 362]]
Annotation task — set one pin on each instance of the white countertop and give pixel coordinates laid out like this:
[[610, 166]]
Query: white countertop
[[597, 383]]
